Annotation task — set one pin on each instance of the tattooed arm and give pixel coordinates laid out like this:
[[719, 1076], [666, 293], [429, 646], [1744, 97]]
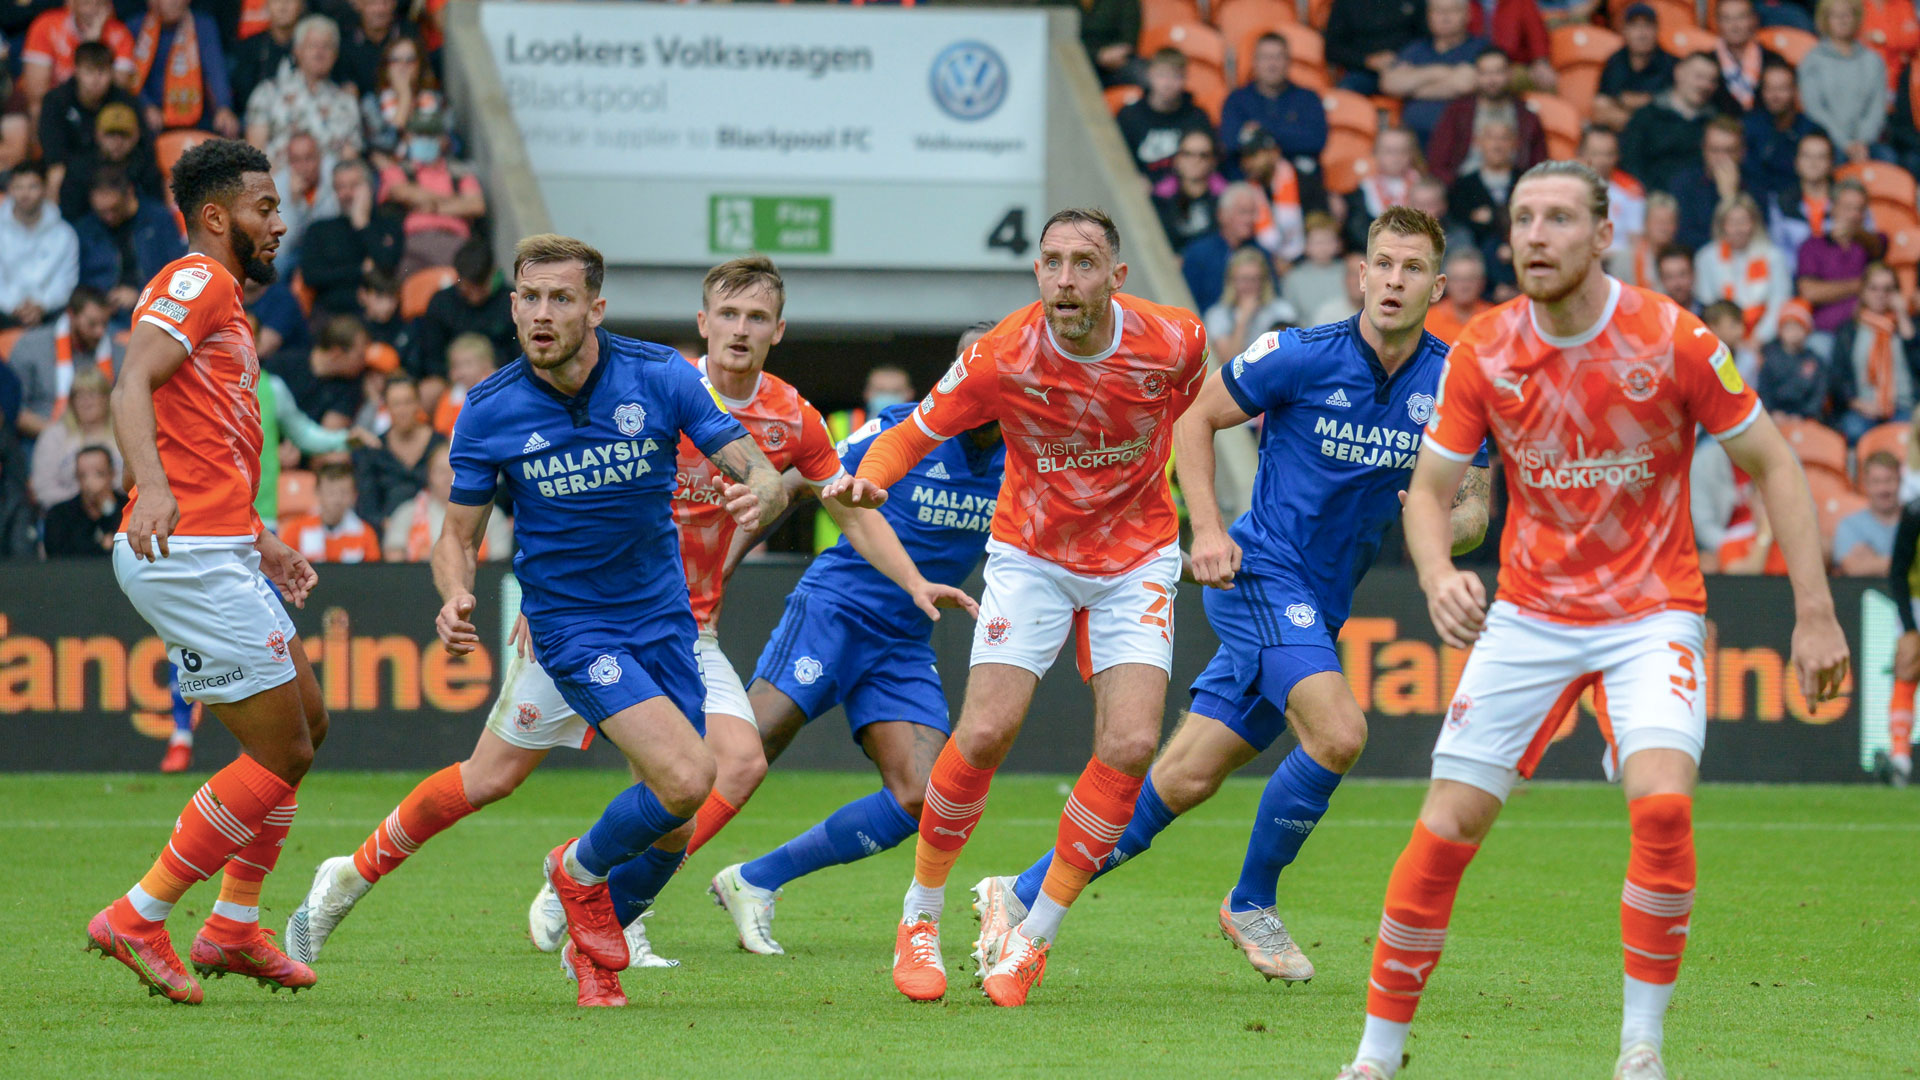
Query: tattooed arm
[[1470, 509], [755, 494]]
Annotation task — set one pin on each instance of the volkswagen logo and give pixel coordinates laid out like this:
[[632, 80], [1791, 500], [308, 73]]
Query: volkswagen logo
[[969, 80]]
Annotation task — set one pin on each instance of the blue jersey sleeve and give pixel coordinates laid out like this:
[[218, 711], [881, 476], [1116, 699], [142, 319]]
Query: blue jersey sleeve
[[1265, 375], [702, 418], [475, 474], [1483, 459], [853, 449]]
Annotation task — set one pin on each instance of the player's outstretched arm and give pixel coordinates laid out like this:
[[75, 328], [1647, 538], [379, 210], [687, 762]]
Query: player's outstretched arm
[[894, 451], [1470, 509], [1456, 600], [1215, 558], [1819, 646], [455, 553], [755, 494], [797, 490], [872, 536], [153, 355]]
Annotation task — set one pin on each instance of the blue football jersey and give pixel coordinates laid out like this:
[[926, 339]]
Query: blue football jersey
[[942, 510], [591, 476], [1338, 444]]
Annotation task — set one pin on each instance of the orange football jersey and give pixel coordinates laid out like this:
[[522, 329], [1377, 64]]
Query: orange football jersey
[[207, 417], [1597, 434], [791, 432], [1087, 437]]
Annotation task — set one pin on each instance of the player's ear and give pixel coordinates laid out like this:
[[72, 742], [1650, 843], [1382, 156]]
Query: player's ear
[[1119, 275], [779, 331], [700, 322], [597, 312], [1439, 289]]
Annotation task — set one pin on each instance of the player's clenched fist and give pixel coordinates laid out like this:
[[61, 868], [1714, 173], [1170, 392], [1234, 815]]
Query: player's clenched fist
[[1215, 558], [1457, 603], [856, 492], [456, 631]]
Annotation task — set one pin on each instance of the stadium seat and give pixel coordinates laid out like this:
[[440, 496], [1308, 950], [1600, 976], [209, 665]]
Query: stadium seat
[[1891, 218], [1562, 122], [1389, 109], [8, 338], [1816, 445], [418, 289], [1833, 499], [1165, 13], [1579, 85], [1571, 46], [1790, 43], [297, 494], [1890, 190], [1891, 437], [1903, 248], [1341, 169], [1672, 14], [1208, 85], [1119, 97], [1309, 51], [1235, 18], [1318, 12], [169, 145], [1348, 111], [1196, 41], [1685, 40]]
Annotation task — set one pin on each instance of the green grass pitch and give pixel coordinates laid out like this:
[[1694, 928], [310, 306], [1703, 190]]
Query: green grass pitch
[[1802, 962]]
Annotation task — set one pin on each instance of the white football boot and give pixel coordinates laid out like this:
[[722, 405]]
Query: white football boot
[[999, 910], [1641, 1061], [547, 919], [750, 907], [1263, 939], [640, 952], [337, 886], [1364, 1070]]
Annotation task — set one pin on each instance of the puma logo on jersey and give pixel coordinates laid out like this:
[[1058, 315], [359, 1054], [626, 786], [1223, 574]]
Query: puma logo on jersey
[[1040, 392], [1516, 387], [939, 471], [1418, 971]]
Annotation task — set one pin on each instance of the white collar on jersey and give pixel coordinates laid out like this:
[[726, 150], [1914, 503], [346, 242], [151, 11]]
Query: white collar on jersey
[[1119, 317], [732, 402], [1591, 332]]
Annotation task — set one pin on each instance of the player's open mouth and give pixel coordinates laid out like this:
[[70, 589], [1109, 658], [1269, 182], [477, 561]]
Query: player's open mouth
[[1066, 307], [1389, 305], [541, 337], [1542, 266], [738, 349]]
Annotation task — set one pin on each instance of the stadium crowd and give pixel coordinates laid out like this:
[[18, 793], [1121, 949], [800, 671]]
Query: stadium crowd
[[1761, 153], [388, 305], [1761, 157]]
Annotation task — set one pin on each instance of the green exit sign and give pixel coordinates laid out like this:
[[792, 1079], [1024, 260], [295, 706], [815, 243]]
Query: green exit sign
[[773, 224]]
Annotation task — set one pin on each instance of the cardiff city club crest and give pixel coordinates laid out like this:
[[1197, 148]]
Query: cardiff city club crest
[[1420, 408], [605, 671], [629, 418], [1300, 615], [806, 670]]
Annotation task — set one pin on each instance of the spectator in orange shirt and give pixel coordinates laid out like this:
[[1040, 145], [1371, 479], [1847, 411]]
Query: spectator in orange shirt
[[47, 59], [469, 359], [1890, 28], [336, 534], [1464, 298]]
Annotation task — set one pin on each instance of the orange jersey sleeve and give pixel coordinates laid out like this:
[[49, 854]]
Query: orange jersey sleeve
[[1459, 424], [1710, 385], [186, 304], [815, 458], [967, 396]]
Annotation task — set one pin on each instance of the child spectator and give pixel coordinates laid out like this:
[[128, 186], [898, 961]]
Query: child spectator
[[1793, 378], [378, 299], [1724, 319], [470, 359], [335, 534]]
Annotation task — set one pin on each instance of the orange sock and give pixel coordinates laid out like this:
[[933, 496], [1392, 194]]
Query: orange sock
[[1900, 719], [224, 816], [434, 804], [1413, 928], [1097, 812], [1657, 903], [248, 869], [956, 797], [712, 816]]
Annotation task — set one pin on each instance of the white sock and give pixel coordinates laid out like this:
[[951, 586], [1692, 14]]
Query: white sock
[[571, 863], [236, 912], [1383, 1041], [151, 908], [923, 900], [1903, 762], [1043, 920], [181, 737], [1644, 1016]]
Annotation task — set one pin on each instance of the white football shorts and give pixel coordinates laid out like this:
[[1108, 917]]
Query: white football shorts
[[531, 714], [222, 621], [1030, 606]]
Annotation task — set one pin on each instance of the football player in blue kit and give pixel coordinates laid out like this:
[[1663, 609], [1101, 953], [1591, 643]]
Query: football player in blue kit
[[582, 432], [852, 638], [1345, 405]]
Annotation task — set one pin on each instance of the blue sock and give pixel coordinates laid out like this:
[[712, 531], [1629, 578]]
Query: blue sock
[[629, 825], [637, 881], [1290, 807], [182, 708], [1150, 818], [863, 827]]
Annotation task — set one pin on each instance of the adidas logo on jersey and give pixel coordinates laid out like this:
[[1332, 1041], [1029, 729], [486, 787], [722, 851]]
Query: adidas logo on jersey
[[939, 471], [535, 442], [1338, 399]]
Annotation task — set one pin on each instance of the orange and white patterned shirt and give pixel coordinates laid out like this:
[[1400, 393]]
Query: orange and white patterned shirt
[[351, 541], [791, 432], [1087, 437], [1597, 435], [207, 416]]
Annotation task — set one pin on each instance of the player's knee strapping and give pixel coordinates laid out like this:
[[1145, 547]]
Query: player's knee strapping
[[1291, 805], [712, 816], [1095, 817], [1413, 927], [1657, 903], [431, 807], [956, 797]]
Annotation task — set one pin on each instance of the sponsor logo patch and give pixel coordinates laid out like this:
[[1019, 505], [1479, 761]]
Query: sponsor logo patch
[[1729, 374], [951, 380], [169, 309], [188, 282]]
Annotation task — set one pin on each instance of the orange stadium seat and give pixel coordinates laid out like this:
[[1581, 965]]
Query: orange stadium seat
[[1573, 45], [1166, 13], [1891, 437], [297, 495], [1196, 41], [8, 338], [1119, 97], [1308, 50], [1890, 217], [1208, 85], [1318, 12], [1685, 40], [1580, 84], [1562, 122], [169, 145], [1235, 18], [1817, 445], [1890, 190], [1389, 109], [1348, 111], [1903, 248], [1790, 43], [1343, 170], [418, 289]]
